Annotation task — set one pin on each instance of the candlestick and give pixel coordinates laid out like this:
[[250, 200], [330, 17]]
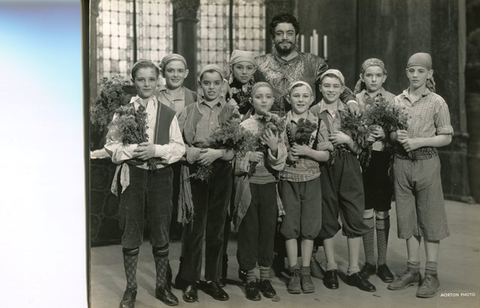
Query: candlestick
[[325, 48]]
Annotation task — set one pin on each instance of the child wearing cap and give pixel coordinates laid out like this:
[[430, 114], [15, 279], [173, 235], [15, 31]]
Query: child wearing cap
[[147, 189], [377, 185], [342, 187], [207, 199], [242, 68], [299, 185], [418, 187], [173, 94], [256, 197]]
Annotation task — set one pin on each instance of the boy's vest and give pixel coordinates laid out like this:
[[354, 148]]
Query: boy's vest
[[194, 116], [163, 120]]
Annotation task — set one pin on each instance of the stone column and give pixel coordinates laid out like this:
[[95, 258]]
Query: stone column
[[185, 36], [274, 7]]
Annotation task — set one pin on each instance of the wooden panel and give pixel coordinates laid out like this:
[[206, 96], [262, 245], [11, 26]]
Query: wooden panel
[[392, 31]]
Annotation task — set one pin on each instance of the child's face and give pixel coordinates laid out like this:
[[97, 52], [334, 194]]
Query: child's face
[[331, 89], [262, 99], [175, 73], [145, 82], [301, 98], [418, 75], [243, 71], [373, 77], [211, 84]]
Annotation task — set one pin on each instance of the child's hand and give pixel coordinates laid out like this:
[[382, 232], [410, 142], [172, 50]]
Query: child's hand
[[339, 137], [353, 106], [145, 150], [291, 157], [402, 135], [411, 144], [255, 157], [208, 156], [233, 103], [270, 139], [300, 150], [378, 133]]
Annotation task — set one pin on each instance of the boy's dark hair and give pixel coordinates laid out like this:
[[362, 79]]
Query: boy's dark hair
[[284, 18], [144, 64]]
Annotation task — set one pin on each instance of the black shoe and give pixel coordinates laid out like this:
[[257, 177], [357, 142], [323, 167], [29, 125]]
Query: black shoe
[[330, 279], [266, 288], [251, 291], [360, 282], [213, 289], [190, 293], [384, 273], [128, 300], [367, 270], [166, 296], [242, 275]]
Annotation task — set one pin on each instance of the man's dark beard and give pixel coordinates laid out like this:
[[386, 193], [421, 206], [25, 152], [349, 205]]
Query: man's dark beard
[[284, 52]]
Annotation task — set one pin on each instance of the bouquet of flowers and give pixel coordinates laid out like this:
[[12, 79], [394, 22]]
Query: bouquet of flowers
[[354, 126], [129, 126], [389, 117], [378, 112], [253, 143], [229, 136], [304, 135]]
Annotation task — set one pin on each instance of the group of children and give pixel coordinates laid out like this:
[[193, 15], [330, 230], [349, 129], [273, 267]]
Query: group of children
[[291, 180]]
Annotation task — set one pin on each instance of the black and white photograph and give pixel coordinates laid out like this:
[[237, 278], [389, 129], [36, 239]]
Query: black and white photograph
[[318, 153]]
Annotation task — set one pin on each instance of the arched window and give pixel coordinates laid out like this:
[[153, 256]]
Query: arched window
[[131, 30], [225, 25]]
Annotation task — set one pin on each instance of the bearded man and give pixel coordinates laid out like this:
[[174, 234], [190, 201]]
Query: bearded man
[[286, 65]]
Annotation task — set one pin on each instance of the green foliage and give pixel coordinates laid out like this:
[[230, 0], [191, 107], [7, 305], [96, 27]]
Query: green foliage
[[129, 126], [110, 98]]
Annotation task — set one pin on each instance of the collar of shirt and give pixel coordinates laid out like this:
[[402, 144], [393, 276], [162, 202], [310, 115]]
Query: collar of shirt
[[163, 88], [137, 101], [381, 92], [405, 93], [283, 61], [219, 102], [310, 116], [325, 107]]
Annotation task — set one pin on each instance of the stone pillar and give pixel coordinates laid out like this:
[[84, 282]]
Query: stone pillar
[[185, 34], [274, 7]]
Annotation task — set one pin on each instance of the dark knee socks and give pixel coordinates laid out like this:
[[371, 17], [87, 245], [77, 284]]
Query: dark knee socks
[[160, 255], [130, 261], [368, 241], [382, 226]]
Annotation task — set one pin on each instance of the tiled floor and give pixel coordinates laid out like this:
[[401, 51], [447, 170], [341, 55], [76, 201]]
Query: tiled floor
[[459, 273]]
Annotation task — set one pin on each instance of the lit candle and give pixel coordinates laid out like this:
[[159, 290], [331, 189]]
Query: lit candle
[[325, 48], [311, 44]]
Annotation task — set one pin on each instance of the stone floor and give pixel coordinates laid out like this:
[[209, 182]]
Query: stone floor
[[459, 273]]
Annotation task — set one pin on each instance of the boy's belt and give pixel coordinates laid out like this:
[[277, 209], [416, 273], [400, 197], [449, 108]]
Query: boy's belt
[[418, 154]]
